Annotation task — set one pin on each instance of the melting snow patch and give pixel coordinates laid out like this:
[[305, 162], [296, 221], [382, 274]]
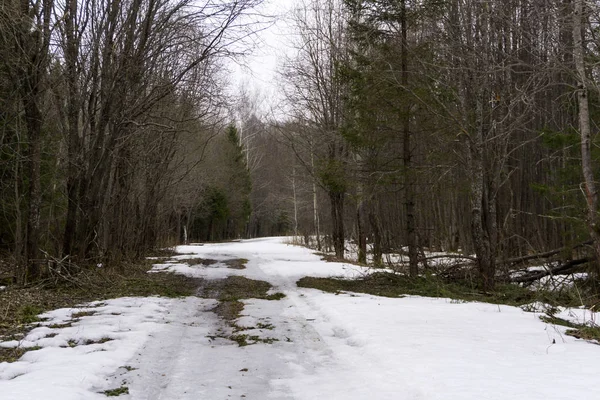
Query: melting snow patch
[[77, 348]]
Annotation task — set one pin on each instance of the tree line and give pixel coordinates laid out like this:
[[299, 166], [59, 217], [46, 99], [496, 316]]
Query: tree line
[[408, 125], [465, 126], [108, 110]]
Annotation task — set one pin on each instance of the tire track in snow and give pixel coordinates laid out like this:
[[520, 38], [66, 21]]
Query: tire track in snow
[[313, 345]]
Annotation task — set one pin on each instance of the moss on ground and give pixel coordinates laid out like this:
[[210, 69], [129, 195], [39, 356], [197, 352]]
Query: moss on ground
[[262, 325], [247, 340], [12, 354], [580, 331], [395, 285], [101, 341], [229, 292], [28, 313], [332, 258], [197, 261], [83, 314], [589, 333], [21, 306], [117, 392], [551, 319], [275, 296], [237, 263]]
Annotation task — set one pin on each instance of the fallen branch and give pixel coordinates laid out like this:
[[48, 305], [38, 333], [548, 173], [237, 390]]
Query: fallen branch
[[547, 254], [565, 268], [455, 256]]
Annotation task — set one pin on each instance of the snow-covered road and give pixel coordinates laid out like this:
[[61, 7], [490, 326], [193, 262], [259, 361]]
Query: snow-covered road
[[202, 366], [313, 345]]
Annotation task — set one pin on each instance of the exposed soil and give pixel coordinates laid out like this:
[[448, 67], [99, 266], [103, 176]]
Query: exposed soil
[[198, 261], [229, 310], [229, 292], [236, 263], [233, 288]]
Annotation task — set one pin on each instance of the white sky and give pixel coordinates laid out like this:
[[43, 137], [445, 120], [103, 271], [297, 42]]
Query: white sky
[[259, 74]]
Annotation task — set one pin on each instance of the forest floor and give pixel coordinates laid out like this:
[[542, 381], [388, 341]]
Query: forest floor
[[250, 332]]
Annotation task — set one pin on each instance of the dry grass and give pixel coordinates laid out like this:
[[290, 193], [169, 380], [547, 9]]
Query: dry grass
[[229, 310], [589, 333], [233, 288], [397, 285], [13, 354], [197, 261], [237, 263], [19, 307], [229, 292]]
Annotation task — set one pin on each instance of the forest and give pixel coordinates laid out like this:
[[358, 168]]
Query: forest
[[410, 127]]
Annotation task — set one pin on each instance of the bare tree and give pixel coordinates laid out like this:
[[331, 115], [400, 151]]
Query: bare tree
[[123, 61], [589, 187], [27, 29], [315, 91]]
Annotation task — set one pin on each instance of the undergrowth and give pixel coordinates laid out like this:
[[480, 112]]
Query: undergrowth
[[12, 354], [589, 333], [396, 285], [117, 392], [580, 331]]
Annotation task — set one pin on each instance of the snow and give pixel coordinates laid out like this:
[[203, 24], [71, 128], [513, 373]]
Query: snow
[[66, 367], [579, 316], [550, 282], [268, 259], [394, 259], [435, 349], [321, 345]]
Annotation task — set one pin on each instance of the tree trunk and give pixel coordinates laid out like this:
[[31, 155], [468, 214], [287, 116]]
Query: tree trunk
[[337, 219], [295, 200], [35, 40], [377, 252], [33, 117], [361, 232], [315, 204], [479, 207], [591, 193], [316, 216], [409, 196], [19, 237], [73, 148]]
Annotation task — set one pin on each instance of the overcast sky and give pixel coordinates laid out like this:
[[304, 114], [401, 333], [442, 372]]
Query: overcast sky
[[272, 44]]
